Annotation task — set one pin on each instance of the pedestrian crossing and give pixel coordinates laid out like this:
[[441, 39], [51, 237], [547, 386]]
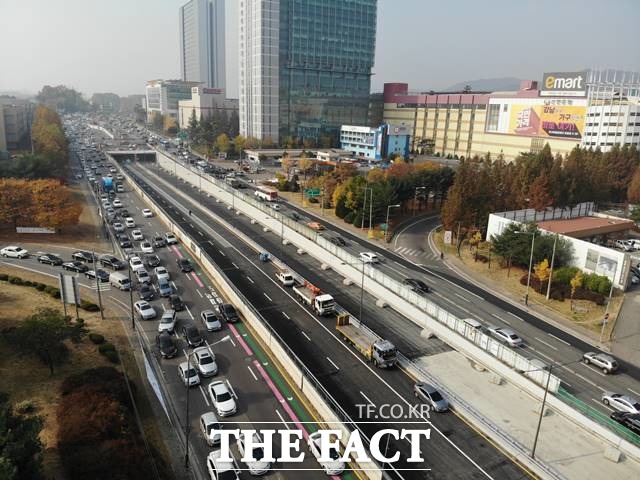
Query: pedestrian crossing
[[416, 253]]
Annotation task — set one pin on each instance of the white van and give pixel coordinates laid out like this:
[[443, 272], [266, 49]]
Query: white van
[[472, 323], [120, 281]]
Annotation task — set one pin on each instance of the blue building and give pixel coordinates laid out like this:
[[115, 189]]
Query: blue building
[[305, 67], [375, 143]]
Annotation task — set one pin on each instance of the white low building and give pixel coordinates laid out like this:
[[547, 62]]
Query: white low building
[[204, 102]]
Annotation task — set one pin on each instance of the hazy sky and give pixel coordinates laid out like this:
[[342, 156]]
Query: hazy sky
[[116, 45]]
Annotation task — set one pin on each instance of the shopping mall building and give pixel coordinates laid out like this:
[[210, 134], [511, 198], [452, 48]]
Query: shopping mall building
[[595, 108]]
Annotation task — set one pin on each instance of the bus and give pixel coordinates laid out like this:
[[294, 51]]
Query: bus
[[266, 193]]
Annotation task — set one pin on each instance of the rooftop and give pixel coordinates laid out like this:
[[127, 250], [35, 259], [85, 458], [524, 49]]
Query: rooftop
[[582, 227]]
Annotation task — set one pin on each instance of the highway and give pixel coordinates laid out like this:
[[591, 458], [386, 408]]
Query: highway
[[454, 451]]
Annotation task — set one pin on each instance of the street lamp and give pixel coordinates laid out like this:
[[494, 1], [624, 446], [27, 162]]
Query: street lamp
[[386, 230], [187, 424], [553, 259], [533, 241]]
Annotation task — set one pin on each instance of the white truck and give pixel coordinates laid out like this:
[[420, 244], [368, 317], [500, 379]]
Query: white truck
[[321, 303], [382, 353]]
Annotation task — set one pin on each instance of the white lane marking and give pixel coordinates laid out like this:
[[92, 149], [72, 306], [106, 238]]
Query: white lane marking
[[519, 318], [547, 344], [286, 316], [500, 318], [222, 253], [542, 354], [235, 265], [593, 369], [367, 398], [559, 339], [338, 368], [633, 391], [283, 421], [306, 336], [175, 287], [268, 297], [252, 374], [206, 400], [233, 392], [189, 312], [463, 298], [249, 278], [602, 404], [585, 379], [198, 292], [465, 310]]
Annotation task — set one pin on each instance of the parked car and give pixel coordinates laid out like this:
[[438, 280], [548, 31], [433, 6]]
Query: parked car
[[205, 360], [184, 265], [192, 336], [505, 335], [333, 467], [50, 259], [147, 213], [164, 287], [117, 203], [118, 227], [102, 275], [152, 260], [607, 363], [222, 398], [137, 234], [369, 257], [158, 242], [188, 374], [629, 420], [112, 262], [259, 466], [145, 292], [170, 238], [135, 263], [146, 247], [211, 321], [143, 276], [219, 470], [176, 303], [416, 285], [75, 266], [228, 312], [620, 402], [13, 251], [83, 256], [167, 345], [167, 321], [208, 423], [145, 310], [129, 222], [432, 397]]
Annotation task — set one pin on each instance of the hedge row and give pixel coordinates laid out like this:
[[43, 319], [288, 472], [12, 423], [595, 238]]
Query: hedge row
[[561, 292], [48, 289]]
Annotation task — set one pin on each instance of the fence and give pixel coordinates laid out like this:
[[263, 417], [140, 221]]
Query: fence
[[531, 215]]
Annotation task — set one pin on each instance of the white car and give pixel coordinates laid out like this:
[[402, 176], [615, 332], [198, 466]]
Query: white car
[[130, 222], [162, 272], [259, 466], [209, 422], [276, 206], [145, 310], [117, 203], [13, 251], [146, 247], [167, 321], [285, 278], [369, 257], [137, 235], [222, 398], [118, 227], [621, 403], [170, 238], [147, 213], [335, 466], [135, 263], [505, 335], [205, 361], [143, 276], [221, 470], [188, 374], [211, 321]]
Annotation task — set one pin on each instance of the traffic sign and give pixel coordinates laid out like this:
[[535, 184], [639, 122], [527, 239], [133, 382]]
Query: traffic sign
[[312, 192]]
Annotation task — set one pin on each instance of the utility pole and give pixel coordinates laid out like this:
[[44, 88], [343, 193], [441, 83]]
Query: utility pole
[[526, 295], [95, 270], [553, 258], [133, 321], [364, 205], [544, 402]]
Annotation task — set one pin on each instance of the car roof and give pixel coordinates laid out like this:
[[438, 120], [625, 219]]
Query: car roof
[[209, 417], [427, 387]]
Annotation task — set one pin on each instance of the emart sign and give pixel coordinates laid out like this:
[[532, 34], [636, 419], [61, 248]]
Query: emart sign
[[564, 84]]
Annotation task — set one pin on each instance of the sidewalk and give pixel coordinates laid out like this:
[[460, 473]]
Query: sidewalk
[[567, 448]]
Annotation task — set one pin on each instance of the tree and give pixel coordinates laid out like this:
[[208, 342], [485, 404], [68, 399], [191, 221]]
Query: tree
[[576, 282], [193, 128], [539, 196], [44, 334], [633, 191], [287, 165], [169, 125], [157, 121], [542, 271], [20, 445], [234, 124], [222, 143], [304, 164], [239, 143], [63, 98]]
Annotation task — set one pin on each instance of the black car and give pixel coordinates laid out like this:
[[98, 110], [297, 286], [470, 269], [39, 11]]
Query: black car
[[167, 345], [112, 262], [295, 216], [158, 242], [102, 275], [83, 256], [152, 260], [75, 266], [176, 303], [192, 336], [339, 241], [125, 243], [184, 265], [146, 292], [124, 213], [416, 285], [228, 312], [50, 259], [629, 420]]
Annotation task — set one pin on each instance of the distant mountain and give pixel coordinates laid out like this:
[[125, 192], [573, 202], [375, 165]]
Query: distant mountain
[[487, 85], [17, 93]]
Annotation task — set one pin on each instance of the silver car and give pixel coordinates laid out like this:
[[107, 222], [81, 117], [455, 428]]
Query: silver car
[[505, 335], [432, 397], [258, 466], [621, 403], [607, 363]]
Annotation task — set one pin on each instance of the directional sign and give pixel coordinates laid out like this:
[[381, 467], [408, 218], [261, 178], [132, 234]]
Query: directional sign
[[312, 192]]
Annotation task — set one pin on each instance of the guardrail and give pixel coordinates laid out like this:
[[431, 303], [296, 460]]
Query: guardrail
[[325, 405]]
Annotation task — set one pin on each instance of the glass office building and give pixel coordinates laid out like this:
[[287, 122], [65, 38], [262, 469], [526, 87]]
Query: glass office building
[[305, 66]]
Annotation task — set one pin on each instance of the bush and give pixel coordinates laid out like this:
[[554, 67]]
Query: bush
[[106, 380], [55, 293], [27, 283], [4, 277], [112, 356], [89, 306], [314, 200], [40, 286], [357, 220], [563, 275], [106, 347], [25, 407], [48, 289], [96, 338], [15, 280], [348, 218], [597, 283]]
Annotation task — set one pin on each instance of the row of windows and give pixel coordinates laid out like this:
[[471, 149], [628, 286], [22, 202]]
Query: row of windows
[[611, 134], [613, 124], [608, 144], [612, 114]]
